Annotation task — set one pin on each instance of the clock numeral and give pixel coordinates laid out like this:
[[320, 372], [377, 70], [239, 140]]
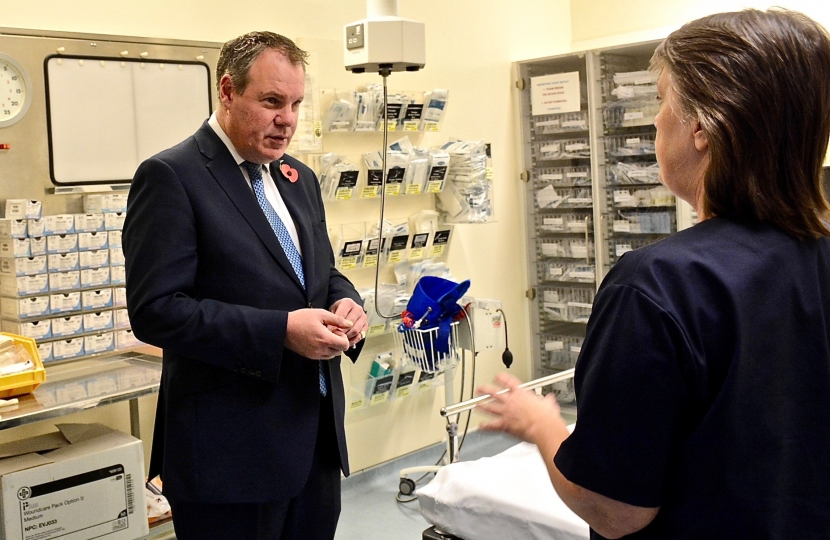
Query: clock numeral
[[15, 103], [7, 112], [14, 77], [18, 91]]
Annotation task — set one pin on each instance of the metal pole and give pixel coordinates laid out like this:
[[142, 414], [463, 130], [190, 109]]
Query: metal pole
[[537, 383]]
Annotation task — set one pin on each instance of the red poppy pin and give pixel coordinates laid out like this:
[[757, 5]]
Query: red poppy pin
[[288, 172]]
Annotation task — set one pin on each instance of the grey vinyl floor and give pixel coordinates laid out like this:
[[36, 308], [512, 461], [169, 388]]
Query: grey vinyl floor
[[370, 511]]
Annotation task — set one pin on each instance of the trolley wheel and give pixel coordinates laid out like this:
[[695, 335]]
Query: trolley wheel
[[406, 487]]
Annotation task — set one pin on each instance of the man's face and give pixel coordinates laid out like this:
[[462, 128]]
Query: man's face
[[261, 121]]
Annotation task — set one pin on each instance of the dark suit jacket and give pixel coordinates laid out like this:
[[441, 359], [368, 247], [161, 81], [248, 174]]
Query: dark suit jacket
[[208, 282]]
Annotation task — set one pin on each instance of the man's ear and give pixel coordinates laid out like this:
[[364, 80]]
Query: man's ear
[[226, 90], [701, 142]]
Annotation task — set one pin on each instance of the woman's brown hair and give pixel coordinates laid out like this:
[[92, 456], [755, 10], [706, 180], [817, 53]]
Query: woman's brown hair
[[759, 84]]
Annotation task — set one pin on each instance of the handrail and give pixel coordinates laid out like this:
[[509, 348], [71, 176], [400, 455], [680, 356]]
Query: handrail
[[458, 408]]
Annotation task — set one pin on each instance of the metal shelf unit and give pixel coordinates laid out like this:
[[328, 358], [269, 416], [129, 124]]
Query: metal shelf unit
[[592, 192]]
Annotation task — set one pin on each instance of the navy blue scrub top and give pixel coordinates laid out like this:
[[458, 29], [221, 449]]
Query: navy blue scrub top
[[703, 385]]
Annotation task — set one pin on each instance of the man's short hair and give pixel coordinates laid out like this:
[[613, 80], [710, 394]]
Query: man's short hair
[[759, 84], [237, 56]]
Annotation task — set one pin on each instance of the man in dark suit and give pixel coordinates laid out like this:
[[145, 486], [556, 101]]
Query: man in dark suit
[[230, 272]]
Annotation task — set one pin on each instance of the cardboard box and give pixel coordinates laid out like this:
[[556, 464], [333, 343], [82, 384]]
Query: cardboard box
[[93, 240], [68, 348], [67, 326], [65, 302], [95, 259], [61, 243], [23, 209], [25, 308], [119, 296], [118, 275], [90, 486], [96, 299], [35, 329], [95, 277], [15, 247], [116, 256], [13, 228], [89, 222], [23, 285], [64, 281], [114, 221], [36, 228], [63, 262], [125, 339], [37, 246], [109, 202], [99, 343], [94, 322], [120, 318], [114, 238], [23, 266], [45, 350], [59, 224]]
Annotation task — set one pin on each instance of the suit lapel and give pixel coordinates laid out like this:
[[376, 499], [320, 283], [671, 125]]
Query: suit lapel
[[228, 175], [292, 194]]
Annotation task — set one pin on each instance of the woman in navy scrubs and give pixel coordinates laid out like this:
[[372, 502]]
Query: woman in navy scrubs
[[703, 385]]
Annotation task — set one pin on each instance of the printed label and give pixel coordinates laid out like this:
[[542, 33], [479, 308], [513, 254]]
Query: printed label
[[92, 504]]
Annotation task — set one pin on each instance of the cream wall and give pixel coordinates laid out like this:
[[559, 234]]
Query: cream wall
[[470, 48], [600, 23]]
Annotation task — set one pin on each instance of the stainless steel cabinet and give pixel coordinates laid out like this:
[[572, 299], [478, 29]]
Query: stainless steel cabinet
[[592, 187]]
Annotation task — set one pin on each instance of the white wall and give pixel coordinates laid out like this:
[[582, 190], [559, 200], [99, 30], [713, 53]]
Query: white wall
[[470, 47]]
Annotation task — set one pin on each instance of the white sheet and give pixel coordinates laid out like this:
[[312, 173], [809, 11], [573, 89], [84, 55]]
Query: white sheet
[[506, 496]]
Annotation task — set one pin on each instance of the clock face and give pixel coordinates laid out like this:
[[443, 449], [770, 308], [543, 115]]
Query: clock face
[[15, 91]]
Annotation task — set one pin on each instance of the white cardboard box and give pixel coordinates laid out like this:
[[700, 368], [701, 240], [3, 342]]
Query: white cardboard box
[[36, 228], [15, 247], [23, 209], [110, 202], [13, 228], [93, 240], [96, 299], [94, 259], [23, 266], [118, 275], [99, 343], [95, 277], [114, 238], [89, 222], [91, 486], [24, 285], [59, 224], [125, 339], [65, 302], [62, 243], [64, 281], [114, 221], [35, 329], [67, 326], [63, 262], [97, 321], [25, 308], [45, 351], [37, 245], [68, 348]]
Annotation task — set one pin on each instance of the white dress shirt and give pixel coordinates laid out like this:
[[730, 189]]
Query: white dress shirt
[[271, 191]]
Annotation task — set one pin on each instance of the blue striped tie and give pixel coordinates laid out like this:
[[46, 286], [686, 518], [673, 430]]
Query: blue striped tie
[[255, 174]]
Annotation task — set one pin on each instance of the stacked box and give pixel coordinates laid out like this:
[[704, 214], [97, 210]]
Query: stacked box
[[62, 277]]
